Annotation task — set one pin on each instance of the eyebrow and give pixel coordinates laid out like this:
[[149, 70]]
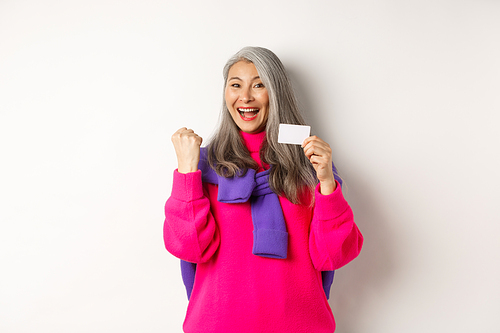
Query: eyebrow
[[237, 78]]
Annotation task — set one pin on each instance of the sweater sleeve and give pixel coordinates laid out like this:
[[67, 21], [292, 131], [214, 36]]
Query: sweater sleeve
[[190, 232], [334, 238]]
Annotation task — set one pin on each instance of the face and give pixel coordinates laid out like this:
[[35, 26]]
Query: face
[[246, 97]]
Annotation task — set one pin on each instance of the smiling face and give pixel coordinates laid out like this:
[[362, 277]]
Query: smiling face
[[246, 97]]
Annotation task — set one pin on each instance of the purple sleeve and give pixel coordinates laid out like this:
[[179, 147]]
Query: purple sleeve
[[334, 239], [190, 232]]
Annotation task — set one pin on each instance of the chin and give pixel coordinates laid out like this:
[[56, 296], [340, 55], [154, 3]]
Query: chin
[[251, 130]]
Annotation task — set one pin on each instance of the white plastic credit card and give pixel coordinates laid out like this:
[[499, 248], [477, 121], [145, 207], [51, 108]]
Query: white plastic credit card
[[293, 134]]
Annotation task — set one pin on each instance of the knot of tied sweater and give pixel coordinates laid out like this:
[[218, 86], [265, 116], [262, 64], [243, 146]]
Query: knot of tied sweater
[[270, 238]]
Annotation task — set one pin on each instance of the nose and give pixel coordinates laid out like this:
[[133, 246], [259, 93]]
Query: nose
[[246, 96]]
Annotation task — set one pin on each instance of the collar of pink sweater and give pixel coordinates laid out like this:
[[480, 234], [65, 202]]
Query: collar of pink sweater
[[253, 142]]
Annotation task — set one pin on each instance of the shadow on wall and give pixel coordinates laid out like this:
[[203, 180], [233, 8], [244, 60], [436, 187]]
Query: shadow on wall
[[367, 277], [370, 274]]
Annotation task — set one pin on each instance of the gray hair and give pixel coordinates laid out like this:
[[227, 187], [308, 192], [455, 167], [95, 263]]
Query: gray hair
[[291, 172]]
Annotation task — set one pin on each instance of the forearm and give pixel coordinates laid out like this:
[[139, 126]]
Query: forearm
[[190, 232], [334, 238]]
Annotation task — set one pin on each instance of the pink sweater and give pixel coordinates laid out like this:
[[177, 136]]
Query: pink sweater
[[236, 291]]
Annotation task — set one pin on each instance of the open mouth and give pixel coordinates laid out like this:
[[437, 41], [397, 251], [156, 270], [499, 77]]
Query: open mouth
[[248, 113]]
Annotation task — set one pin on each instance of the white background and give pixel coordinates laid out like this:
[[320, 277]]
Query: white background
[[406, 93]]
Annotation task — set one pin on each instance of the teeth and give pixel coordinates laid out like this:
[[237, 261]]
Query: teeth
[[247, 110]]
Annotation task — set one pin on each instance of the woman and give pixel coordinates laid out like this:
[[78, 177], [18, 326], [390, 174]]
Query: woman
[[259, 225]]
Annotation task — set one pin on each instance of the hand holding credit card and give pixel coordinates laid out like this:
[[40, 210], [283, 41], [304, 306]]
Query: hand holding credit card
[[293, 134]]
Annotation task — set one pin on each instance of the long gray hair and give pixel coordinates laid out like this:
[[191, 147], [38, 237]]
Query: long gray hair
[[291, 172]]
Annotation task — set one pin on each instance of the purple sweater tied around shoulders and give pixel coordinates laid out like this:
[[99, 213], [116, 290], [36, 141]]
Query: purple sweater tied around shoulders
[[270, 238]]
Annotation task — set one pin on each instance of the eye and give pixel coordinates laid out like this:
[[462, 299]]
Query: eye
[[235, 85], [259, 85]]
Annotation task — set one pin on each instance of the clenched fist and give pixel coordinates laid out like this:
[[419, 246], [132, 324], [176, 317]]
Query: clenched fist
[[187, 147]]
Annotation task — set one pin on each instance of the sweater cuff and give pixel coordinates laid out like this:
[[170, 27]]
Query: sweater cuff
[[270, 243], [187, 186], [331, 205]]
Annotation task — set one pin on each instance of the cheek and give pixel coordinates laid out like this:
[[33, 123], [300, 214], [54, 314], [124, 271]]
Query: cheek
[[265, 99], [265, 102], [230, 97]]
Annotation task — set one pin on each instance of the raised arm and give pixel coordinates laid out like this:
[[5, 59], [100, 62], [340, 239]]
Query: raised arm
[[189, 231], [334, 238]]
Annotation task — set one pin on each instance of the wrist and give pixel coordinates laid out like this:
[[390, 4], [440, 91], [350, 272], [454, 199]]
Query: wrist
[[327, 187], [187, 169]]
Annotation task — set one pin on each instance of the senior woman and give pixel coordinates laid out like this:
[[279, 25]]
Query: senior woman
[[259, 225]]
